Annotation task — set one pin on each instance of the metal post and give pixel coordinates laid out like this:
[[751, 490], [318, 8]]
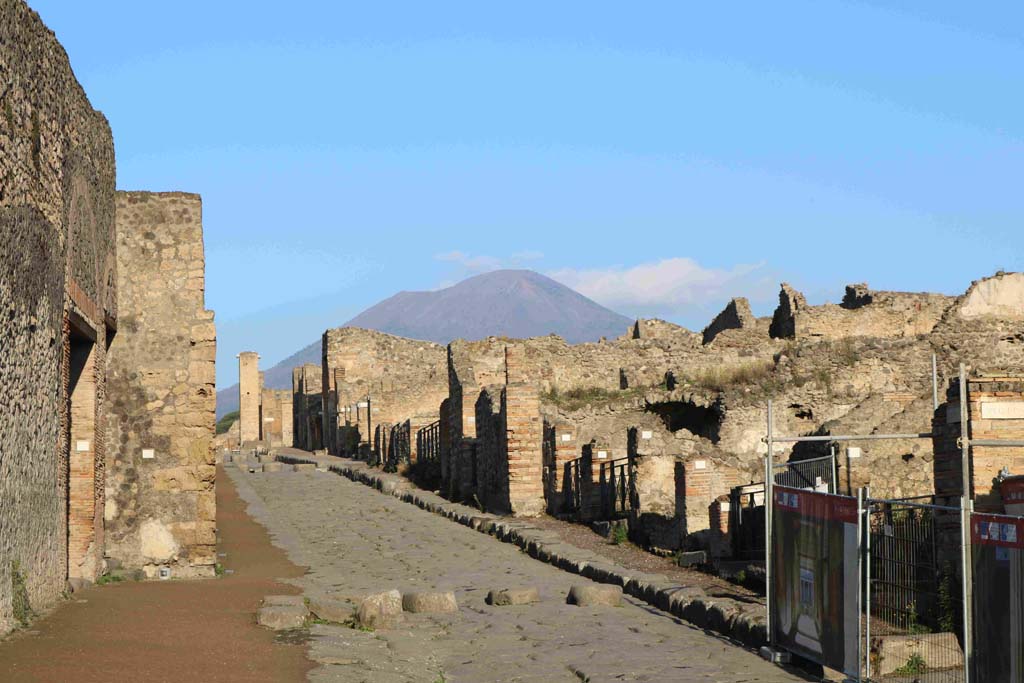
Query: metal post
[[965, 436], [864, 517], [966, 506], [835, 471], [768, 498], [860, 583]]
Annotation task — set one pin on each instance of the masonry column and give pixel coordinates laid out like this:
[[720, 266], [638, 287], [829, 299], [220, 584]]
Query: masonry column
[[524, 430], [248, 397]]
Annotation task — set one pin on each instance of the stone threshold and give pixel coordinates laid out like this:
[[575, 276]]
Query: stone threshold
[[742, 623]]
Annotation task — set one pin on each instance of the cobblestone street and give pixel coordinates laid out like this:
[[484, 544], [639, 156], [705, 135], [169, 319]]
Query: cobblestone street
[[357, 541]]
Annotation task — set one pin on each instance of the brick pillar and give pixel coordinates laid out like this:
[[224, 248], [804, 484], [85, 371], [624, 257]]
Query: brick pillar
[[248, 396], [718, 519], [995, 410], [84, 546], [524, 434], [697, 475]]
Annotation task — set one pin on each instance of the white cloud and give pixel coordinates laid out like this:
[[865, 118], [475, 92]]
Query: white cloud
[[672, 288]]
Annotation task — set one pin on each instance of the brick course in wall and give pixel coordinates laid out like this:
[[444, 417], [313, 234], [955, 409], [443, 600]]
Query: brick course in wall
[[995, 412]]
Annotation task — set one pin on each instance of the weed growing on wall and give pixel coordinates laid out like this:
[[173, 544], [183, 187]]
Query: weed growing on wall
[[19, 596]]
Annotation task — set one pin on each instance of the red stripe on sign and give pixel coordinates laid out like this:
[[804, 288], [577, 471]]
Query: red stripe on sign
[[819, 505], [1007, 532]]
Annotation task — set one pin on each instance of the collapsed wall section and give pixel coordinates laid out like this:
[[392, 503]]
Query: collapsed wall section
[[160, 507], [58, 299]]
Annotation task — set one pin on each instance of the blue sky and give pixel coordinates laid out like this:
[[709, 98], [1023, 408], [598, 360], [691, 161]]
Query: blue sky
[[660, 157]]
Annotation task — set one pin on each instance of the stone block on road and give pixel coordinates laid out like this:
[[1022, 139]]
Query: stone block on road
[[433, 602], [513, 596], [380, 610], [282, 617], [326, 609], [588, 595]]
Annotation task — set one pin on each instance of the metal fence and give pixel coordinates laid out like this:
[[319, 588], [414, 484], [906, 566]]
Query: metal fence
[[597, 489], [428, 442], [614, 479], [914, 619], [816, 474]]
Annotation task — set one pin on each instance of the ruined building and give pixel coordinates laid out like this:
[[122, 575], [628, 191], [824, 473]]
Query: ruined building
[[264, 415], [657, 425], [106, 364]]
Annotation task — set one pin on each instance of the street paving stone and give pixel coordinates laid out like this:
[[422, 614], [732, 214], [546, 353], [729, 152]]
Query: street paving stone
[[357, 541]]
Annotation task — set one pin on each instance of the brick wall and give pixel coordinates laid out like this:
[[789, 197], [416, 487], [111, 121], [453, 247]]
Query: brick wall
[[995, 411]]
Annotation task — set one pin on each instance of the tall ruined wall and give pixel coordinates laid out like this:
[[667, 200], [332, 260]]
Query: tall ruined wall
[[160, 506], [248, 396], [307, 407], [404, 378], [862, 313], [57, 273]]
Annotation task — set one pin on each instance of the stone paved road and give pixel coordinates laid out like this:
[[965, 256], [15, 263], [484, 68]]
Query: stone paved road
[[357, 541]]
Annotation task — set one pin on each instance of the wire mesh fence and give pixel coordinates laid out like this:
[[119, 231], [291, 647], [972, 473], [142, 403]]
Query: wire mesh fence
[[914, 625]]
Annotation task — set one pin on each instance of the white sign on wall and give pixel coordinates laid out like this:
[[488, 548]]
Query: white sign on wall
[[601, 455], [700, 464], [566, 437], [81, 446], [646, 435], [1002, 410], [148, 454]]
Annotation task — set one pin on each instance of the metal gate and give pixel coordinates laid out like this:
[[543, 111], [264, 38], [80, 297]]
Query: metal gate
[[914, 619]]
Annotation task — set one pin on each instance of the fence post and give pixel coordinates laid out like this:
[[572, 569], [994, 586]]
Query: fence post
[[966, 504], [835, 472], [860, 583], [768, 497]]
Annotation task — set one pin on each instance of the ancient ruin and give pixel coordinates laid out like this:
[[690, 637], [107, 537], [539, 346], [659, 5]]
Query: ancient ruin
[[107, 372], [265, 417], [658, 426]]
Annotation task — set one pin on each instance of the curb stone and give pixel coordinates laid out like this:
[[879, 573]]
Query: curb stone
[[728, 618]]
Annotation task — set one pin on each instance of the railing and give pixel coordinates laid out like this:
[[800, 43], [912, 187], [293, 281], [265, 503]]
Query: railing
[[428, 442], [816, 474], [606, 498], [614, 485]]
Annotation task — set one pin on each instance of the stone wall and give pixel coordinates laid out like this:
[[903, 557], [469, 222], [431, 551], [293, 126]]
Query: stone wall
[[403, 378], [735, 316], [862, 313], [249, 396], [275, 413], [307, 407], [160, 498], [58, 298]]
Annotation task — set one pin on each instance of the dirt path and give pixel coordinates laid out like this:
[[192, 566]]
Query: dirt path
[[178, 631]]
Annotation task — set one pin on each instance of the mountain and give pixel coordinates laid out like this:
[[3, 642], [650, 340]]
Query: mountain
[[509, 303]]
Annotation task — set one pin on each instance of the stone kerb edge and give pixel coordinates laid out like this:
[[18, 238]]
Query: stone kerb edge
[[744, 624]]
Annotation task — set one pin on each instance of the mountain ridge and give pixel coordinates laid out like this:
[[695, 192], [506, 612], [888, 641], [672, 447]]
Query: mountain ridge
[[509, 303]]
